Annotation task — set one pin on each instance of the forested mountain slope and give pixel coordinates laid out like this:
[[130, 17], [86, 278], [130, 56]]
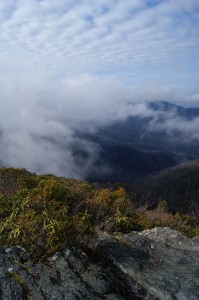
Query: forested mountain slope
[[179, 186]]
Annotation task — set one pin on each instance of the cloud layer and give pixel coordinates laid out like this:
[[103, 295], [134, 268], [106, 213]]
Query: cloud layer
[[38, 123]]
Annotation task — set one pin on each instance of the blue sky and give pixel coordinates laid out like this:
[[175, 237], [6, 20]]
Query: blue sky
[[139, 42]]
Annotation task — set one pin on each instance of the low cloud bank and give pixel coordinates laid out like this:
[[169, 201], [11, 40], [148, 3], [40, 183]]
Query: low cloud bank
[[39, 120]]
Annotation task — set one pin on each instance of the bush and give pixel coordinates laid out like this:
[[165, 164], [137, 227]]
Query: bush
[[46, 213]]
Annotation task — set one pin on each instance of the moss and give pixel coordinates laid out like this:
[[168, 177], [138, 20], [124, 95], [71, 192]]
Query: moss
[[121, 238], [20, 281]]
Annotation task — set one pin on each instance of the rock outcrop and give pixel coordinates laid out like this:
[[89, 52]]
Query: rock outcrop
[[154, 264]]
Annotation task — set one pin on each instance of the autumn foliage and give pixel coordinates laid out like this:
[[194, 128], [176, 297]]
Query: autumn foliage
[[45, 213]]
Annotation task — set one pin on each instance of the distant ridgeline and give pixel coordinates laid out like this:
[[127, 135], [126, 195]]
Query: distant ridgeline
[[149, 154], [141, 145]]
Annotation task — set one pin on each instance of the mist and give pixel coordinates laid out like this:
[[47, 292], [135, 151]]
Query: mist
[[40, 118]]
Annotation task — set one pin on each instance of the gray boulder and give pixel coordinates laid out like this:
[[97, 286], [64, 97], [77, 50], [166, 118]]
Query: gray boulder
[[154, 264], [163, 261]]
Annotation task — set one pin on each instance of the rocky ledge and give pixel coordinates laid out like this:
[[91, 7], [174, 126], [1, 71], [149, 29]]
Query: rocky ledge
[[154, 264]]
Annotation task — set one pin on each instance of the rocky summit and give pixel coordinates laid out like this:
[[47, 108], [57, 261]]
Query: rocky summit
[[160, 263]]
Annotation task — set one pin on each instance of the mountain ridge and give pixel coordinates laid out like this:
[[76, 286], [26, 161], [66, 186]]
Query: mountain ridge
[[131, 138]]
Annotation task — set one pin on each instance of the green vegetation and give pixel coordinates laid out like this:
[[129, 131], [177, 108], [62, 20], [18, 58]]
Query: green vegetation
[[21, 282], [45, 213]]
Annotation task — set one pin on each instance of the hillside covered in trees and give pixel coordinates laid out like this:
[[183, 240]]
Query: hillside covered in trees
[[178, 185]]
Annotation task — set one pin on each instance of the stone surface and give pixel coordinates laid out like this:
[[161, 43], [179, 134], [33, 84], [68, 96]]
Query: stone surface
[[162, 260], [154, 264]]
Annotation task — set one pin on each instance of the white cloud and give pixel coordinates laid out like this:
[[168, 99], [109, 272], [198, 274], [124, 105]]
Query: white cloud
[[175, 127], [83, 36], [38, 121]]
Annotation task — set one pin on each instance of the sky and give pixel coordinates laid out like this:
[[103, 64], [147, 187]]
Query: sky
[[139, 42], [69, 64]]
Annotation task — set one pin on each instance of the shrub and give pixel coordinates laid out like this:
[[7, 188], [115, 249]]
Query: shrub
[[46, 213]]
